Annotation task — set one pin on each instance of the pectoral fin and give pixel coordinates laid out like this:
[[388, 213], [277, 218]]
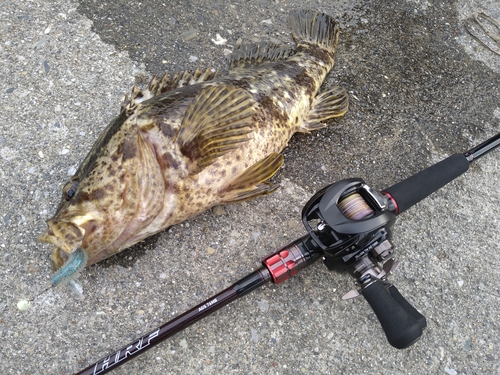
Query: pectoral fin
[[250, 183], [326, 105], [218, 119]]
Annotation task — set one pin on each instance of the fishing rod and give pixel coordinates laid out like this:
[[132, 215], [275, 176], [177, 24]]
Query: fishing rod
[[349, 226]]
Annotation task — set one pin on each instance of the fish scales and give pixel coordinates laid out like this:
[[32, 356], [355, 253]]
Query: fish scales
[[193, 141]]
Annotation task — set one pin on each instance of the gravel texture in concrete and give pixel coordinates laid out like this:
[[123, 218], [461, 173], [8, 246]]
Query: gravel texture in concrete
[[421, 88]]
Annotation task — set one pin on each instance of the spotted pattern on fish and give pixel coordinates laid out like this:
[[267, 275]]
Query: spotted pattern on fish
[[194, 140]]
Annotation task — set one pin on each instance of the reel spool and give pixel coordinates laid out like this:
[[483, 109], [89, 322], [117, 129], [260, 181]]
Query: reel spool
[[354, 207], [348, 220]]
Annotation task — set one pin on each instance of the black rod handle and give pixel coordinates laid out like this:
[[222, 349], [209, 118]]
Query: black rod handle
[[402, 323], [417, 187]]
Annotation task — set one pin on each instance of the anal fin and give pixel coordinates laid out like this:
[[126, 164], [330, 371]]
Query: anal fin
[[326, 105], [215, 123], [251, 183]]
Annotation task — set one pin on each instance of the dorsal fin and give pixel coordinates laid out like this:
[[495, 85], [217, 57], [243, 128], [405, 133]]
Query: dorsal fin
[[217, 120], [166, 83], [255, 54]]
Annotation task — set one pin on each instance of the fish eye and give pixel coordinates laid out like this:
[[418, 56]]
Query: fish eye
[[69, 189]]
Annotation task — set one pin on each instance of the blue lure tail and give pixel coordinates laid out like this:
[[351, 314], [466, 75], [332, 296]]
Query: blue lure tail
[[71, 268]]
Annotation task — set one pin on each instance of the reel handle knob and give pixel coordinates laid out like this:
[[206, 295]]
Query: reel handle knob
[[402, 323]]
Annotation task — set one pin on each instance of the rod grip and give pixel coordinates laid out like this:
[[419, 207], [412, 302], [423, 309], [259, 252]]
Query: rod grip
[[417, 187], [402, 323]]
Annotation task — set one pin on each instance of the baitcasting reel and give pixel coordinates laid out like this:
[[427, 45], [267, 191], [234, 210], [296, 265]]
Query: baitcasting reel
[[352, 222], [353, 227]]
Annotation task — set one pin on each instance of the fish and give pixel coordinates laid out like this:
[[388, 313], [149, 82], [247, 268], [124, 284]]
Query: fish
[[191, 141]]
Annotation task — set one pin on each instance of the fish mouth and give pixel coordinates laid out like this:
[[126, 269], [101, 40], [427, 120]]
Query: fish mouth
[[68, 258], [66, 237]]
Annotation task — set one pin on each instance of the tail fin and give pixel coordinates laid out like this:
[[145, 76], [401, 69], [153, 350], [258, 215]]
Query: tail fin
[[315, 28]]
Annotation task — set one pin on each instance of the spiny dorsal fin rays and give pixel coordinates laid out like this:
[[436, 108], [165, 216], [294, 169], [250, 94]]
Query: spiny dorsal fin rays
[[219, 118], [255, 54], [166, 83]]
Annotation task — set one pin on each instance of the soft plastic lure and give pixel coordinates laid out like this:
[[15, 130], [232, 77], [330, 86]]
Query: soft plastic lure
[[72, 268]]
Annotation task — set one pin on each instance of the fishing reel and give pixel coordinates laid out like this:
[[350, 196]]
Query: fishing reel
[[352, 225], [352, 222]]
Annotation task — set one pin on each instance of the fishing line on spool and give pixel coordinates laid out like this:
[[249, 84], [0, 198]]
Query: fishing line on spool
[[354, 207]]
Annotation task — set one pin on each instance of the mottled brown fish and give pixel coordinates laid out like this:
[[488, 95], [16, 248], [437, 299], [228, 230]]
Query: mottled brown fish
[[193, 141]]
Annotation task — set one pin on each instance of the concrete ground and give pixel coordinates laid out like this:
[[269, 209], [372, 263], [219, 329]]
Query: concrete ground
[[421, 89]]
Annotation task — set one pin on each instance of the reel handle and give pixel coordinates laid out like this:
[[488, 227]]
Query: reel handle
[[402, 323]]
